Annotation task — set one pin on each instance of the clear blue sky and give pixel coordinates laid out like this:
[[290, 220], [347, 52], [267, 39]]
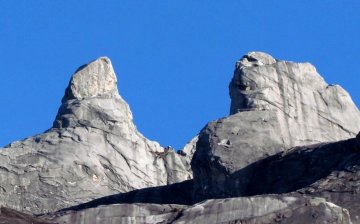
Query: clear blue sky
[[173, 59]]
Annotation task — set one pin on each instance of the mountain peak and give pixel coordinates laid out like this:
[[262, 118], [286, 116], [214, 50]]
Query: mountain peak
[[310, 110], [92, 99], [92, 150], [255, 58], [95, 79]]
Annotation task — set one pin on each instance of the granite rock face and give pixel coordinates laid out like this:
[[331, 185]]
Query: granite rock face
[[286, 154], [265, 209], [327, 170], [275, 105], [92, 150], [262, 209], [306, 184], [227, 145], [309, 109]]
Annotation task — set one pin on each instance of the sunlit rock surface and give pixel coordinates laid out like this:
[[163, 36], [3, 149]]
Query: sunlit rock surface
[[308, 109], [92, 150], [288, 153], [275, 105]]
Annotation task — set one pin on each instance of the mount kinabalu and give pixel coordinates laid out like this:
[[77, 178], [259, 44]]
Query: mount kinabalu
[[271, 151], [92, 150], [275, 105]]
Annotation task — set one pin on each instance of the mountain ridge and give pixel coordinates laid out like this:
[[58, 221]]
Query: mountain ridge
[[286, 153]]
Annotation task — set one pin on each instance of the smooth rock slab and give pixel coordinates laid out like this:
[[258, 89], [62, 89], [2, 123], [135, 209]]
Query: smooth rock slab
[[264, 209]]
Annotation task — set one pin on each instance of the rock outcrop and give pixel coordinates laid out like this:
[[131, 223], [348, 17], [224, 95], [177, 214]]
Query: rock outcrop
[[275, 105], [288, 153], [308, 109], [92, 150]]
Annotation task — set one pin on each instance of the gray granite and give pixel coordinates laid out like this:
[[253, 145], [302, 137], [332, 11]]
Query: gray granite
[[92, 150]]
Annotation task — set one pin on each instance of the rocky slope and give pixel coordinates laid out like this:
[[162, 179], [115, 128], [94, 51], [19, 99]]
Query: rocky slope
[[288, 153], [92, 150]]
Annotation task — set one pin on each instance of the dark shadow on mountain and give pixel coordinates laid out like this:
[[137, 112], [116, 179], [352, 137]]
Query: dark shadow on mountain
[[329, 170], [299, 168], [311, 170], [178, 193]]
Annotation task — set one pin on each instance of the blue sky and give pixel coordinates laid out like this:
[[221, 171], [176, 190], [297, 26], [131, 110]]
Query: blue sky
[[174, 59]]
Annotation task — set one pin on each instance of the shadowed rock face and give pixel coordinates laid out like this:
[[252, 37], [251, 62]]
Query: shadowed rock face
[[275, 105], [10, 216], [92, 150], [328, 170]]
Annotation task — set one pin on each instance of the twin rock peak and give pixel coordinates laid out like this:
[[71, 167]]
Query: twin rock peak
[[94, 150]]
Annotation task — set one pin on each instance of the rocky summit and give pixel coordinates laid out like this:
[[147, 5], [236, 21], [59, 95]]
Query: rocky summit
[[307, 108], [289, 152], [275, 105], [92, 150]]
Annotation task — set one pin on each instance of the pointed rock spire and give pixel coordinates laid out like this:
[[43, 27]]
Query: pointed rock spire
[[96, 79], [93, 150], [92, 99]]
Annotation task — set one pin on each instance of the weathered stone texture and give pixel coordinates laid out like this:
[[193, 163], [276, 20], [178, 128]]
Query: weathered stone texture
[[92, 150], [275, 105], [256, 210], [286, 154], [309, 109]]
